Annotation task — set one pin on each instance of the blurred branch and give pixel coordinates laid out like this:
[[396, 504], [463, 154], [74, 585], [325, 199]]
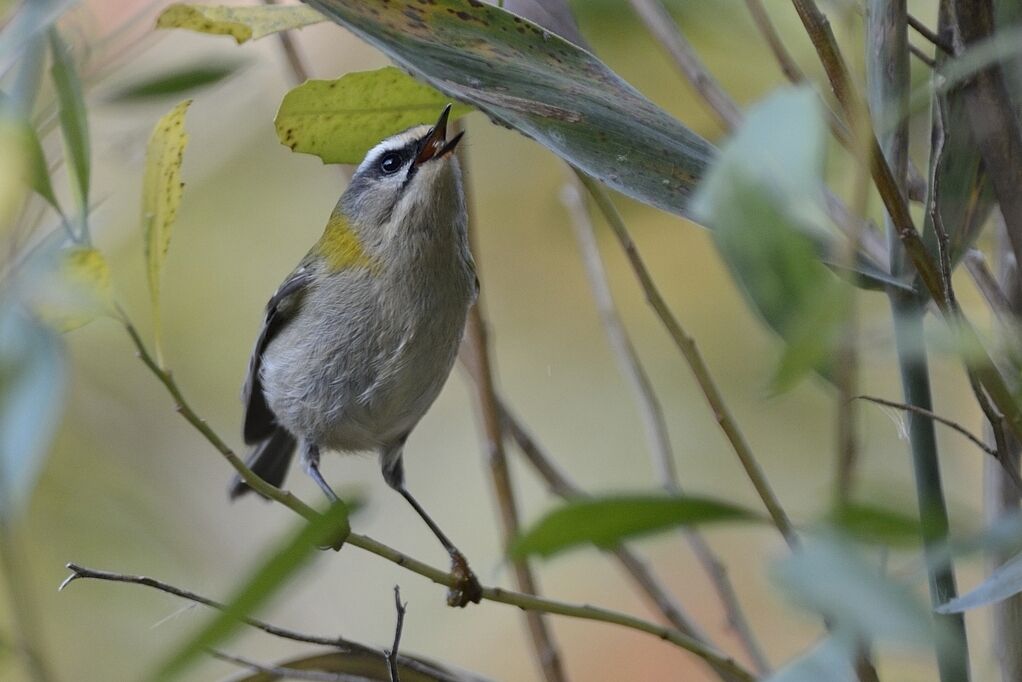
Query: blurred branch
[[975, 263], [294, 60], [923, 30], [652, 415], [392, 662], [694, 358], [661, 24], [769, 33], [992, 118], [922, 56], [545, 649], [930, 415]]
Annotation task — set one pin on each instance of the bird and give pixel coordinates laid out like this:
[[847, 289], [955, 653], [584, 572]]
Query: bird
[[358, 341]]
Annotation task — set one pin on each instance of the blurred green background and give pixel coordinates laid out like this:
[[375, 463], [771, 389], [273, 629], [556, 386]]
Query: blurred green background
[[130, 487]]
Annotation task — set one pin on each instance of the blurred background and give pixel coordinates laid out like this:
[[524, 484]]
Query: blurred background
[[131, 487]]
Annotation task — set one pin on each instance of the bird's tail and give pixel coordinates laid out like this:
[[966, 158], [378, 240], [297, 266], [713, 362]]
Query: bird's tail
[[270, 459]]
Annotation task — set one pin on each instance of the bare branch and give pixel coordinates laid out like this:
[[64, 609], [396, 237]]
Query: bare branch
[[975, 263], [398, 627], [659, 22], [652, 415], [547, 655], [923, 30], [299, 70], [915, 409], [773, 39], [694, 358]]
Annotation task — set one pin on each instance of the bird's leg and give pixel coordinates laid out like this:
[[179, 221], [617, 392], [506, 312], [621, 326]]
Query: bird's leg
[[310, 458], [467, 588]]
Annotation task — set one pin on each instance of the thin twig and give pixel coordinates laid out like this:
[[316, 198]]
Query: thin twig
[[284, 672], [659, 22], [978, 442], [975, 263], [652, 414], [694, 358], [922, 56], [773, 39], [547, 655], [398, 627], [923, 30], [298, 68]]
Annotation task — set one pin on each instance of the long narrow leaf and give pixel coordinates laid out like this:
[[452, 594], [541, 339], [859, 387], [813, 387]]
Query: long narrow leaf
[[241, 23], [1004, 582], [73, 123]]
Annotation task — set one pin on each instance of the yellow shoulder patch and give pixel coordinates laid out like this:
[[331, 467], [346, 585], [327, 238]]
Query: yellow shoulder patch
[[340, 247]]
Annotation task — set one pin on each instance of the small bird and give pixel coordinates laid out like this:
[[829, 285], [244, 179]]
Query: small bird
[[360, 338]]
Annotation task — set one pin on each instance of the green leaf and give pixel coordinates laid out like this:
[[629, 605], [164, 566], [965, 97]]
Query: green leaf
[[242, 23], [161, 195], [1005, 581], [73, 122], [279, 567], [828, 661], [876, 525], [31, 394], [764, 199], [536, 82], [607, 521], [176, 81], [340, 120], [833, 579]]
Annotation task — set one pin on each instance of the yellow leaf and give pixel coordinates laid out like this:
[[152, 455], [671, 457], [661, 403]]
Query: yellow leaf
[[161, 195], [340, 120], [243, 23], [77, 291]]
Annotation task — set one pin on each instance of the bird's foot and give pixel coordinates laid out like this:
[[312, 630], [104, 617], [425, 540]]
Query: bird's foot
[[467, 588]]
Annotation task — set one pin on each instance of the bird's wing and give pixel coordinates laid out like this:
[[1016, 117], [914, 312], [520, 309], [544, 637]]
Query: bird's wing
[[259, 420]]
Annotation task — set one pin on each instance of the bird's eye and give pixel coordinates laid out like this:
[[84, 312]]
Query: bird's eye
[[390, 163]]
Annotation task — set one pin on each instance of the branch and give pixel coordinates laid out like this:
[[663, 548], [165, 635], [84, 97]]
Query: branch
[[392, 654], [925, 32], [694, 358], [659, 22], [652, 414], [294, 60], [477, 342], [975, 263], [915, 409], [769, 33], [922, 56]]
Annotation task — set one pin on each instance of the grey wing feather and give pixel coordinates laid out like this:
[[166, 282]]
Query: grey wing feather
[[260, 421]]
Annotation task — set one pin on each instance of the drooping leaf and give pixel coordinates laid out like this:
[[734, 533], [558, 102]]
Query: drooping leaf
[[31, 393], [833, 579], [764, 199], [530, 79], [73, 121], [340, 120], [280, 566], [553, 15], [78, 291], [828, 661], [1005, 581], [607, 521], [241, 23], [877, 525], [161, 194], [176, 81]]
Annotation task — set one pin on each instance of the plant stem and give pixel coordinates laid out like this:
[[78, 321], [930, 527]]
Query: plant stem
[[769, 33], [695, 361]]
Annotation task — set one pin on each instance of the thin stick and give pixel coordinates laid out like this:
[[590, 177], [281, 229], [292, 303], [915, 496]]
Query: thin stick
[[392, 654], [285, 673], [659, 22], [923, 30], [773, 39], [290, 50], [545, 648], [975, 263], [922, 56], [653, 417], [930, 415], [694, 358]]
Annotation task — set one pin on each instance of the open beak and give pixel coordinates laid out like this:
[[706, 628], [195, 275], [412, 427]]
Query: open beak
[[436, 145]]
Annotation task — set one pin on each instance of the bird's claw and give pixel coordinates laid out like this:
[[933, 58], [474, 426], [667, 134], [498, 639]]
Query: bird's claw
[[467, 588]]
